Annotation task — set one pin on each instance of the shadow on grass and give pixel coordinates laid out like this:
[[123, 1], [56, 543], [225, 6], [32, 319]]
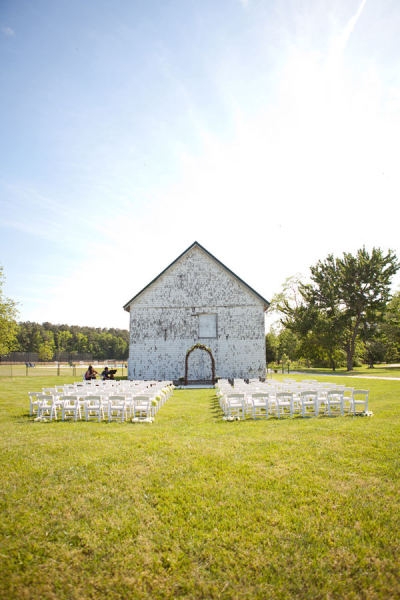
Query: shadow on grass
[[215, 409]]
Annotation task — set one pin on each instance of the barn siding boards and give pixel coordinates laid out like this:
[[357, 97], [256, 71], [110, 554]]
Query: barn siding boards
[[196, 295]]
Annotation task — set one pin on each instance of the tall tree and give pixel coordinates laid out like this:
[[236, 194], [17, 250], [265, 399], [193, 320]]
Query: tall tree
[[62, 338], [271, 346], [347, 293], [8, 323], [391, 329]]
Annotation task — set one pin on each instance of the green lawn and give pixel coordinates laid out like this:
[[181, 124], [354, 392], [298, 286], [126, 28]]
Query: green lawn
[[195, 507]]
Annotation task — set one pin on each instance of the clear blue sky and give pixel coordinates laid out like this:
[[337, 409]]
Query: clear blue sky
[[267, 130]]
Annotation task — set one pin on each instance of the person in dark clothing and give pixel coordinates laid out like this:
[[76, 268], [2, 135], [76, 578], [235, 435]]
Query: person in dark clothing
[[90, 373]]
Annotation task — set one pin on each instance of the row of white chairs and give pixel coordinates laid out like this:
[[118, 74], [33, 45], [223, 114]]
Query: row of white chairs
[[136, 402], [99, 386], [263, 400]]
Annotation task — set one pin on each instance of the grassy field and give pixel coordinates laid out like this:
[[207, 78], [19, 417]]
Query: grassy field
[[195, 507]]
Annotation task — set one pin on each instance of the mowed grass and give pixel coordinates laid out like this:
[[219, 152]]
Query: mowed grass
[[195, 507]]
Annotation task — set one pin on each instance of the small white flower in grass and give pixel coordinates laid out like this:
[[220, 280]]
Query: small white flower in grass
[[365, 413]]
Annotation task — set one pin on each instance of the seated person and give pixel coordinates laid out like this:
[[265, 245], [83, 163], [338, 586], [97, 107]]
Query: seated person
[[90, 373], [105, 374]]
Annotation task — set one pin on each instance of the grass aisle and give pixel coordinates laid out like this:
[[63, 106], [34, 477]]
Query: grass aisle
[[195, 507]]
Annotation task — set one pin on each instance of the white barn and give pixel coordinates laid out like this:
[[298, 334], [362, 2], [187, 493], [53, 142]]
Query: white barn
[[196, 321]]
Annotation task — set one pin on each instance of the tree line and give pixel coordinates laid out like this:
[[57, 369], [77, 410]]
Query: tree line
[[68, 342], [343, 315]]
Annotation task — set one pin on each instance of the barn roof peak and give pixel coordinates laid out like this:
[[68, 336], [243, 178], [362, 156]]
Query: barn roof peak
[[198, 245]]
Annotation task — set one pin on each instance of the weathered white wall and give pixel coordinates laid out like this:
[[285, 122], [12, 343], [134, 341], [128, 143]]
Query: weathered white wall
[[164, 323]]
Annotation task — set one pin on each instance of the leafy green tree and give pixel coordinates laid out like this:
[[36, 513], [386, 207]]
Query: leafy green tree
[[119, 348], [8, 323], [30, 336], [25, 336], [63, 339], [390, 329], [290, 296], [48, 346], [46, 351], [288, 345], [271, 346], [316, 341], [344, 295], [320, 338], [375, 351], [80, 344], [73, 340]]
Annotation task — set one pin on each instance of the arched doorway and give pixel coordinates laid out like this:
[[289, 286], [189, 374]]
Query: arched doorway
[[207, 374]]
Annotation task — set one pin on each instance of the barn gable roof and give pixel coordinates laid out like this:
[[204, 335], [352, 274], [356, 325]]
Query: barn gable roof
[[196, 244]]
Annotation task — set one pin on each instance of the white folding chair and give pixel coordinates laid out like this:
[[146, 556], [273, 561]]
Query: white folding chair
[[94, 408], [235, 406], [142, 407], [34, 400], [47, 407], [309, 403], [117, 408], [335, 402], [260, 405], [70, 408], [284, 404], [359, 402]]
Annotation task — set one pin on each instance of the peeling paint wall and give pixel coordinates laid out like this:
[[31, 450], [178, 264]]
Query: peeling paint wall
[[164, 323]]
